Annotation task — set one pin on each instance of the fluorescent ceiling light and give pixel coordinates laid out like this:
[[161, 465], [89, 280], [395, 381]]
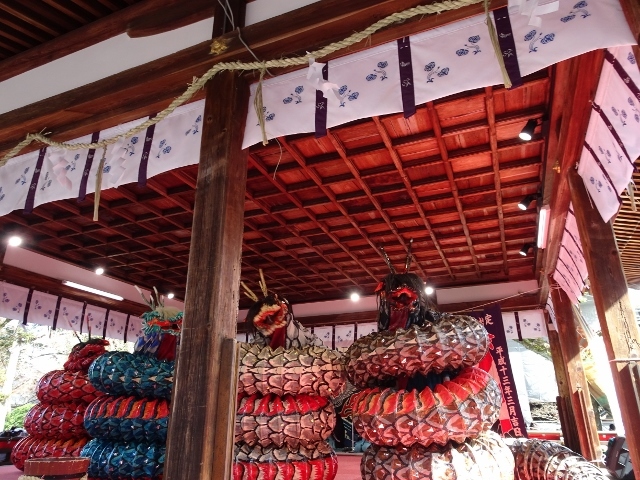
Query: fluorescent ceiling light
[[543, 227], [92, 290]]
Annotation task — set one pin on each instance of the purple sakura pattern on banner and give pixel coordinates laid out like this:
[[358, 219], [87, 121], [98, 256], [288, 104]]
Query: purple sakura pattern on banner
[[534, 37], [435, 71], [382, 72], [578, 8], [473, 47]]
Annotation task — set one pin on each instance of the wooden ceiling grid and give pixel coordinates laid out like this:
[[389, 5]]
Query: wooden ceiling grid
[[24, 25], [316, 210]]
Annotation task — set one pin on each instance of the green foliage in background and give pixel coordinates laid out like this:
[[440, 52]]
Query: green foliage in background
[[16, 417]]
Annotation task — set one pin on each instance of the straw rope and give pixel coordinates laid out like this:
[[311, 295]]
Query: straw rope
[[199, 83]]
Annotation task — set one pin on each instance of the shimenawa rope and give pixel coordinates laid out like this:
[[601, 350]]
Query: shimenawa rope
[[199, 83]]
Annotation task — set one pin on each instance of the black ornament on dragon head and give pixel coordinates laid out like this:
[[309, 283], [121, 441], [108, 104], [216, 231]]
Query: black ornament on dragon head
[[402, 300]]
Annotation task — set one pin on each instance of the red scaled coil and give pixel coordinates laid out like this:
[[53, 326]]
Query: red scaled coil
[[57, 421], [60, 386]]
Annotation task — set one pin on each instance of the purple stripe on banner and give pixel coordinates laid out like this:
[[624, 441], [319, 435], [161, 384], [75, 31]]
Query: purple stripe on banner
[[406, 77], [518, 330], [612, 129], [82, 193], [55, 315], [573, 277], [27, 306], [106, 319], [595, 157], [571, 257], [144, 161], [491, 318], [565, 279], [84, 309], [507, 45], [575, 241], [33, 188], [321, 107], [623, 74], [126, 328]]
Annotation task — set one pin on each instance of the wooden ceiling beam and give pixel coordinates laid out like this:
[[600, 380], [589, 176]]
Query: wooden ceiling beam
[[435, 122], [312, 216], [85, 36], [495, 161], [406, 181], [294, 231]]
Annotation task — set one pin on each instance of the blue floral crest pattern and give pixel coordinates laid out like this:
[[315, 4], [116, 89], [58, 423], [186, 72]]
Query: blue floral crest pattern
[[72, 164], [2, 195], [435, 71], [195, 128], [578, 8], [22, 180], [636, 113], [631, 58], [621, 114], [297, 95], [605, 153], [130, 147], [266, 115], [164, 148], [380, 71], [534, 37], [471, 46], [345, 93], [46, 183], [598, 184]]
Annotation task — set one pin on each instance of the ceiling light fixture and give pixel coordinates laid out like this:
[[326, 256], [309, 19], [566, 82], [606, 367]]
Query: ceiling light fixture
[[15, 241], [527, 132], [543, 227], [355, 297], [524, 251], [99, 271], [526, 201], [92, 290], [429, 290], [170, 296]]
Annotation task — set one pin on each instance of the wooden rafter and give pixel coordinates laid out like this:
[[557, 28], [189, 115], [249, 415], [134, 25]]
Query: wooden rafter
[[435, 121]]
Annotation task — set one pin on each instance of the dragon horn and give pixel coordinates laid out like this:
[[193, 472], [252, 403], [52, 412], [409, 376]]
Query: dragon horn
[[248, 292], [144, 299], [407, 264], [387, 260], [263, 283]]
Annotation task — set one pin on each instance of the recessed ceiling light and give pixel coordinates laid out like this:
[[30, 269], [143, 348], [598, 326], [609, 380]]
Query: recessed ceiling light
[[355, 297], [429, 290], [170, 296], [15, 241], [93, 290], [99, 271]]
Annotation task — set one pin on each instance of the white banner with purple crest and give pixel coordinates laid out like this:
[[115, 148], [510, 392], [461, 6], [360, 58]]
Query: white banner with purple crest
[[14, 300], [344, 335], [365, 329], [571, 269], [70, 315], [42, 308], [612, 143], [524, 324], [94, 319], [116, 325], [443, 61], [325, 334], [134, 329]]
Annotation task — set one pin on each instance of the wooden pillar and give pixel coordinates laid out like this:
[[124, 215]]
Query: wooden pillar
[[211, 301], [616, 315], [565, 409], [576, 378]]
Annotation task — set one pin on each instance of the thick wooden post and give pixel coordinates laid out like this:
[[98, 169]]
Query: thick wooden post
[[196, 443], [565, 409], [616, 315], [576, 378]]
